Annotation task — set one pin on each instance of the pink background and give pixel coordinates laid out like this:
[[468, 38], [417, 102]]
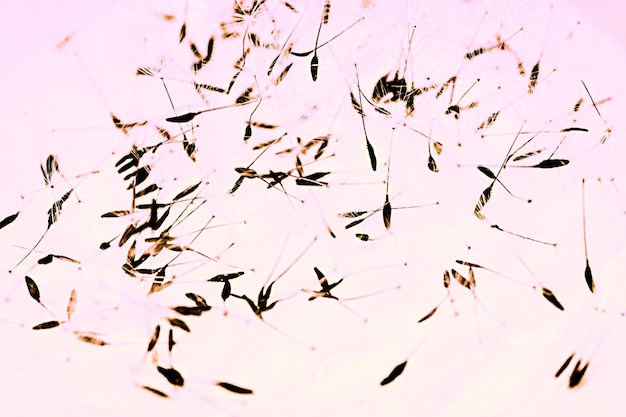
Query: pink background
[[497, 357]]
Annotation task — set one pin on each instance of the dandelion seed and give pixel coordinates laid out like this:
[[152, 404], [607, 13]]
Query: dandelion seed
[[326, 287], [187, 117], [191, 311], [574, 129], [387, 212], [47, 325], [578, 104], [396, 372], [116, 213], [372, 155], [326, 14], [528, 155], [45, 260], [490, 120], [475, 53], [354, 223], [370, 148], [234, 388], [577, 374], [315, 63], [71, 305], [460, 279], [588, 275], [199, 300], [125, 127], [33, 290], [52, 166], [172, 375], [155, 391], [154, 338], [312, 179], [429, 315], [55, 211], [170, 340], [564, 366], [283, 74], [179, 323], [8, 220], [482, 201], [550, 297], [92, 340], [352, 214], [551, 163], [187, 191]]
